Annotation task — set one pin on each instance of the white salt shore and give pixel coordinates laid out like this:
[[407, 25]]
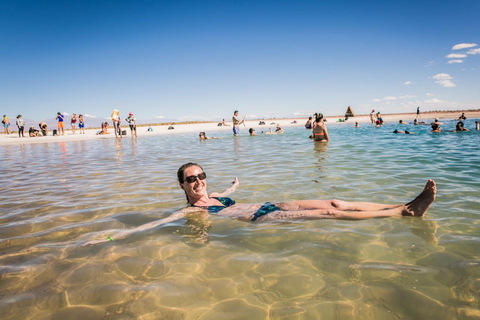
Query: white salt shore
[[210, 128]]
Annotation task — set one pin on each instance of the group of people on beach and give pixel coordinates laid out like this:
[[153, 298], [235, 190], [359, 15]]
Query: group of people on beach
[[32, 132], [73, 122], [74, 119]]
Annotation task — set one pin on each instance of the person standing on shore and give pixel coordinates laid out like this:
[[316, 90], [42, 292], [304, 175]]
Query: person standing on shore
[[418, 113], [73, 122], [20, 125], [81, 124], [6, 124], [116, 123], [60, 125], [237, 123], [132, 122], [372, 116]]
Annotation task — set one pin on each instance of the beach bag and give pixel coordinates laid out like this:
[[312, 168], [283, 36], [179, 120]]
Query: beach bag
[[124, 132], [54, 132]]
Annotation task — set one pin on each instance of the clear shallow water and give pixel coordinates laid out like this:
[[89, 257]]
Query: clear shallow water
[[60, 195]]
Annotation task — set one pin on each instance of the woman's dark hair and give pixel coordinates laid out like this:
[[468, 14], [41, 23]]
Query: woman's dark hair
[[250, 130], [459, 125], [318, 117], [435, 126], [181, 170]]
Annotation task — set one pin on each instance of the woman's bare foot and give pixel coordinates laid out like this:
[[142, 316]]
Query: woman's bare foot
[[418, 206]]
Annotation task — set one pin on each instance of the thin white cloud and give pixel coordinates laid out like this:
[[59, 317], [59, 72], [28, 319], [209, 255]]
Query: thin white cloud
[[455, 61], [65, 113], [433, 101], [159, 117], [430, 63], [444, 79], [429, 94], [407, 96], [442, 76], [390, 98], [407, 83], [375, 100], [456, 55], [464, 46], [88, 116], [304, 113], [474, 51]]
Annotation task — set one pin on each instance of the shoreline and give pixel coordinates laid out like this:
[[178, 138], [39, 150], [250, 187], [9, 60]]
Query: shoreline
[[209, 127]]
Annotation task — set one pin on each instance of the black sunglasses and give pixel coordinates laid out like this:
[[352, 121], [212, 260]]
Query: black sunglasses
[[192, 179]]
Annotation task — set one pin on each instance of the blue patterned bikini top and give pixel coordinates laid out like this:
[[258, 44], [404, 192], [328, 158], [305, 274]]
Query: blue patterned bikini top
[[227, 202]]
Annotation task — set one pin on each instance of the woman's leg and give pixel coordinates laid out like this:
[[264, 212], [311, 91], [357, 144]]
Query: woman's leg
[[424, 199], [334, 204]]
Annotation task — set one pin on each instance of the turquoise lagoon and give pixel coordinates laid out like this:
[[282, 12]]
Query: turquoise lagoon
[[55, 197]]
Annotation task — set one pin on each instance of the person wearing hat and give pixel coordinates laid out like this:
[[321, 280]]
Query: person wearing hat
[[33, 132], [116, 123], [132, 122]]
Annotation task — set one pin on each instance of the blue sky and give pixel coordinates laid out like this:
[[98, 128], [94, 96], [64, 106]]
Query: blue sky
[[200, 60]]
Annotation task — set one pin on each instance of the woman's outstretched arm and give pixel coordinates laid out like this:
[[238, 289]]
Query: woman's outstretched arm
[[124, 233], [227, 191]]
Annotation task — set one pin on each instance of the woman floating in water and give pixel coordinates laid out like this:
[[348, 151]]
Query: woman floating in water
[[192, 179]]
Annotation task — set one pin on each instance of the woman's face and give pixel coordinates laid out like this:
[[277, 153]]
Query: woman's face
[[197, 188]]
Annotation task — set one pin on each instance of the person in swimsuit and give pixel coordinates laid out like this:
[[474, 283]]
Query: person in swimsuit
[[236, 123], [319, 132], [193, 181], [116, 123], [44, 128], [73, 122], [81, 124], [6, 124], [308, 124], [460, 127]]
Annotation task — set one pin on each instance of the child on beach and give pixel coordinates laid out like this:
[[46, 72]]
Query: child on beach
[[81, 124], [60, 118], [20, 125], [132, 122]]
